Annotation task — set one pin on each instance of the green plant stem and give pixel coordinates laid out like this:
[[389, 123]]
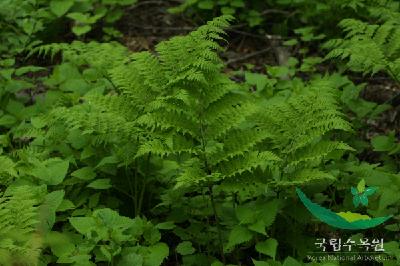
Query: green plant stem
[[146, 173], [210, 189]]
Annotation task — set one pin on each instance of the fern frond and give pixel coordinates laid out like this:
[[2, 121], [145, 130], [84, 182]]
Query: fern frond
[[367, 48], [20, 242]]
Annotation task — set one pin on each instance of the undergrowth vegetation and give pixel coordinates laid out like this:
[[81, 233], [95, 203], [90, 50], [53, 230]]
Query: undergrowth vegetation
[[168, 157]]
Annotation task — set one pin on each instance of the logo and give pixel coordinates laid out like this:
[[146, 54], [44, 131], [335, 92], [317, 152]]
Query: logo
[[346, 220]]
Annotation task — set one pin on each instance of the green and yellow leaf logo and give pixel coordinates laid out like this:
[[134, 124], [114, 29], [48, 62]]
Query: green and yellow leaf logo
[[346, 220]]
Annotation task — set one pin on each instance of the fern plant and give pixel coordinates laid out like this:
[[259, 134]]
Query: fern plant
[[368, 48], [213, 136], [20, 239]]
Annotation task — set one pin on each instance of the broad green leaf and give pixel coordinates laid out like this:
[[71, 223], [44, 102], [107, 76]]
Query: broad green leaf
[[131, 259], [60, 244], [80, 30], [259, 80], [85, 173], [260, 263], [66, 205], [289, 261], [100, 184], [157, 254], [185, 248], [60, 7], [166, 226], [108, 160], [49, 207], [258, 226], [245, 214], [238, 235], [83, 225], [383, 143], [52, 171], [38, 122], [7, 120], [267, 247], [206, 4]]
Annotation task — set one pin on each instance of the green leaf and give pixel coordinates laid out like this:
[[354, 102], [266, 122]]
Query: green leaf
[[157, 254], [268, 247], [100, 184], [166, 226], [26, 69], [38, 122], [131, 259], [289, 261], [60, 244], [260, 263], [7, 120], [206, 4], [245, 215], [66, 205], [60, 7], [85, 173], [52, 171], [107, 160], [81, 30], [238, 235], [383, 143], [48, 209], [258, 80], [83, 225], [258, 226], [185, 248]]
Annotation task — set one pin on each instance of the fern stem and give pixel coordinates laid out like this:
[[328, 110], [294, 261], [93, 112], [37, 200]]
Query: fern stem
[[210, 189], [132, 195], [146, 173]]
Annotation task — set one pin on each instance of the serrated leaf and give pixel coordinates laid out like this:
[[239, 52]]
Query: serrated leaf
[[238, 235], [85, 173], [49, 207], [244, 214], [268, 247], [83, 225], [52, 171], [66, 205], [258, 226], [157, 255]]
